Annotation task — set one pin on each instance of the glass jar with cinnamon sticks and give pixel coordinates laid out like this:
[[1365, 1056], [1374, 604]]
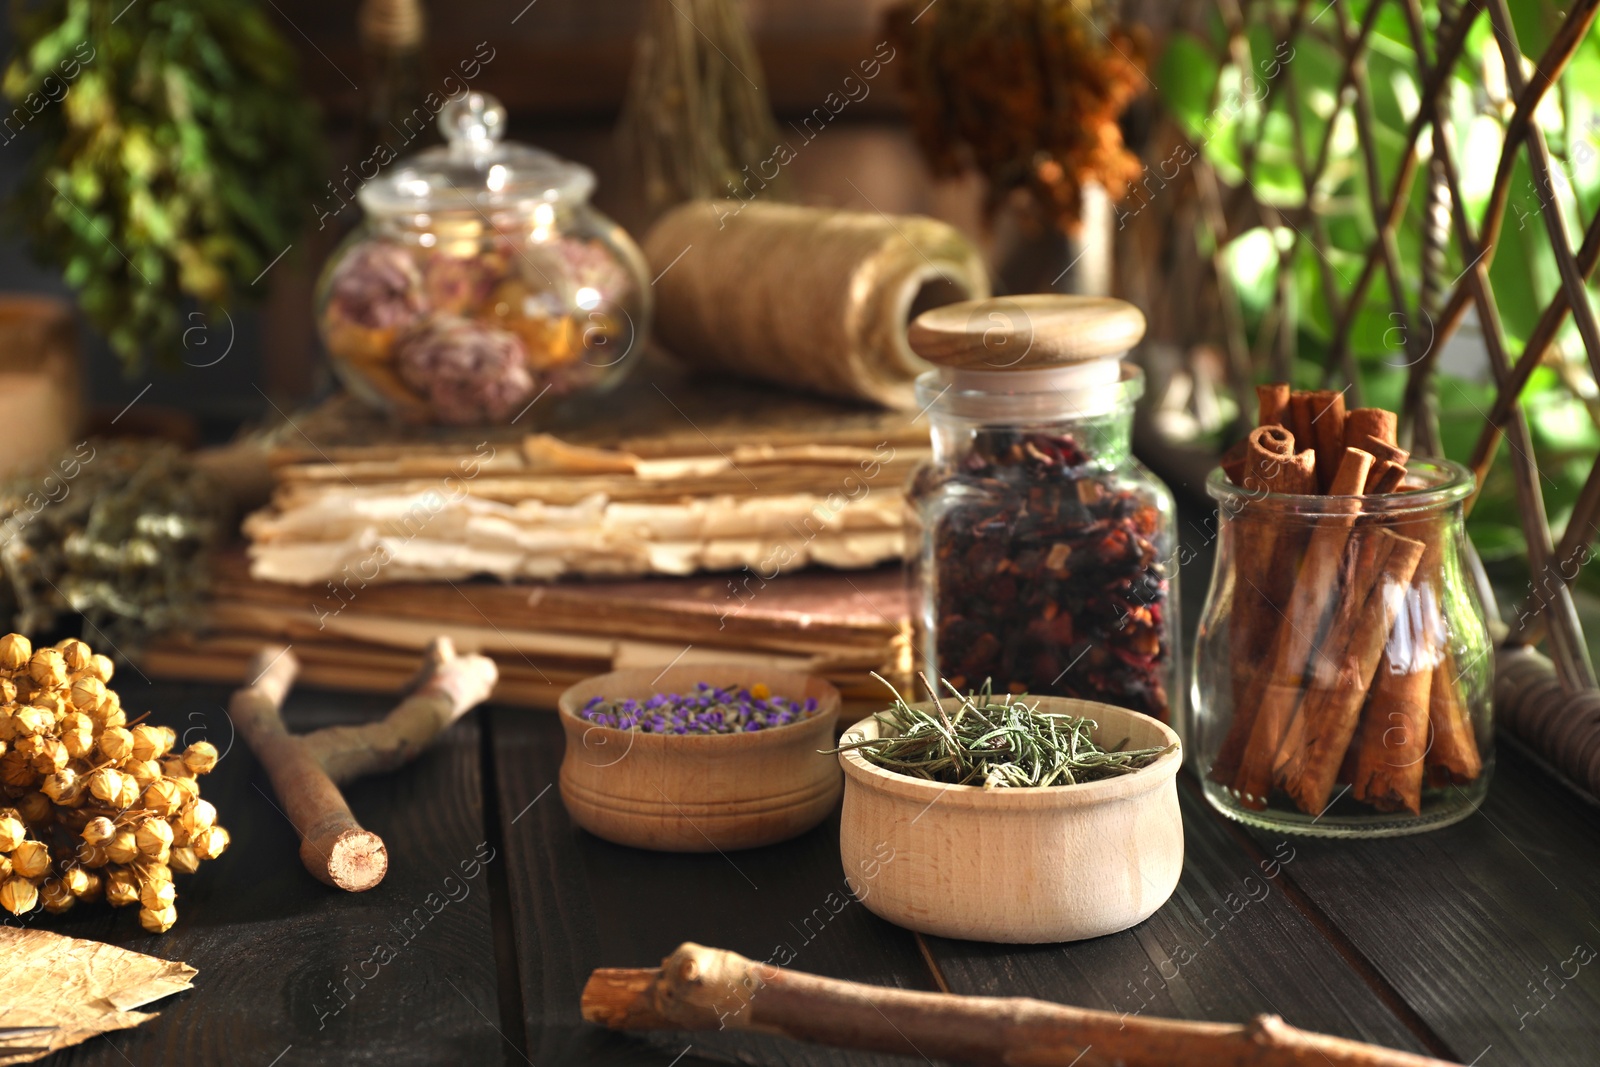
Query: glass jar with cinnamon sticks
[[1041, 552], [1342, 668]]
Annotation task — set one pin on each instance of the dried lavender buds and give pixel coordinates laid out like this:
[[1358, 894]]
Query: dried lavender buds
[[1047, 576], [91, 809], [706, 709]]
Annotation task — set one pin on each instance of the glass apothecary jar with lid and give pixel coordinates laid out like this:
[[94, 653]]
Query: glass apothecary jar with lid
[[1343, 668], [1041, 552], [480, 280]]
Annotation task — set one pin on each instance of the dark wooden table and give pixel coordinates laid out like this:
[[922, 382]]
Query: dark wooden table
[[1464, 942]]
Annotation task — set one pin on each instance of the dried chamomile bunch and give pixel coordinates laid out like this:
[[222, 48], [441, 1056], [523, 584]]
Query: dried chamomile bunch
[[91, 805]]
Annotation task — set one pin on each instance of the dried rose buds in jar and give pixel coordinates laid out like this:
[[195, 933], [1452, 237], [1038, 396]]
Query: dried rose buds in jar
[[90, 808]]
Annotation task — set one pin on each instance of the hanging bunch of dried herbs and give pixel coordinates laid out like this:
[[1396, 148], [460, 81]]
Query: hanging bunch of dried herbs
[[117, 532], [994, 743], [175, 156], [1027, 92]]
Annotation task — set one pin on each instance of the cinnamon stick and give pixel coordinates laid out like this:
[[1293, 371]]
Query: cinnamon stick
[[699, 988], [1272, 404], [1362, 423], [1233, 461], [1300, 419], [1453, 756], [1315, 592], [1376, 579], [1265, 554], [1327, 433], [1390, 468], [1385, 762]]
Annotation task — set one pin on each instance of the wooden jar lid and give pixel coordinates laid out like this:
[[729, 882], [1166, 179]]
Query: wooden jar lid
[[1029, 332]]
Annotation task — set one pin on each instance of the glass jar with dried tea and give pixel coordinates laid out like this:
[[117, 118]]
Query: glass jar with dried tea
[[1041, 556], [1343, 671]]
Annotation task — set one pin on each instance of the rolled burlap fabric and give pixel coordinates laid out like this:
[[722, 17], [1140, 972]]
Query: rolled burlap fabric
[[810, 298]]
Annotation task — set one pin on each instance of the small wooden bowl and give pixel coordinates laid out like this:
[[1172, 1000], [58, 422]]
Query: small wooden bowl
[[699, 792], [1060, 863]]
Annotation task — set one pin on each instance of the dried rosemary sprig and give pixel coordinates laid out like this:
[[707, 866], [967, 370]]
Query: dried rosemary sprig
[[994, 743]]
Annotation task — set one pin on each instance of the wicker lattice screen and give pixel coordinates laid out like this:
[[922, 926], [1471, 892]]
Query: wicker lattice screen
[[1294, 144]]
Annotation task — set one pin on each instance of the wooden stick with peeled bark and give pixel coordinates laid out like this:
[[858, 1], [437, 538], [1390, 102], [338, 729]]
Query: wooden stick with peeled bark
[[305, 769], [699, 988]]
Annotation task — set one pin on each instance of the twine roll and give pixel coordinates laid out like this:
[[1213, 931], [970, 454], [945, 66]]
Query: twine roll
[[810, 298]]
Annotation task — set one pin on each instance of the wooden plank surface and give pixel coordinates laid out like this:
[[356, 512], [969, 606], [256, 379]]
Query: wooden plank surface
[[1227, 946], [579, 902], [271, 943], [1489, 929]]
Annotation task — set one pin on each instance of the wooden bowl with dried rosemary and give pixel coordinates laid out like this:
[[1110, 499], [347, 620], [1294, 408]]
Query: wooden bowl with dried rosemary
[[1013, 818]]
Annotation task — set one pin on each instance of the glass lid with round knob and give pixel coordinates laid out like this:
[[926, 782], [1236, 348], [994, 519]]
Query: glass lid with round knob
[[476, 169]]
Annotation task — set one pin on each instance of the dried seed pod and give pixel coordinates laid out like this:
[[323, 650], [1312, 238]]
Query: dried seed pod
[[8, 691], [57, 897], [5, 867], [9, 730], [201, 815], [130, 793], [76, 653], [102, 667], [152, 742], [94, 886], [121, 887], [15, 651], [122, 848], [158, 921], [174, 767], [116, 744], [47, 668], [99, 830], [63, 786], [35, 808], [105, 784], [16, 771], [12, 830], [77, 733], [54, 703], [30, 859], [111, 716], [142, 771], [88, 693], [210, 843], [18, 895], [184, 860], [51, 757], [154, 838], [188, 787], [75, 880], [31, 721], [163, 797], [157, 893], [92, 855], [200, 757]]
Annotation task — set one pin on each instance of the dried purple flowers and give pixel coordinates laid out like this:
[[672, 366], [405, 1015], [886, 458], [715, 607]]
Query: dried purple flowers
[[707, 709]]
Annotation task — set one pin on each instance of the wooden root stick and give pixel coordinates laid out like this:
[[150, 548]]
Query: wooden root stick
[[699, 988], [306, 769]]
